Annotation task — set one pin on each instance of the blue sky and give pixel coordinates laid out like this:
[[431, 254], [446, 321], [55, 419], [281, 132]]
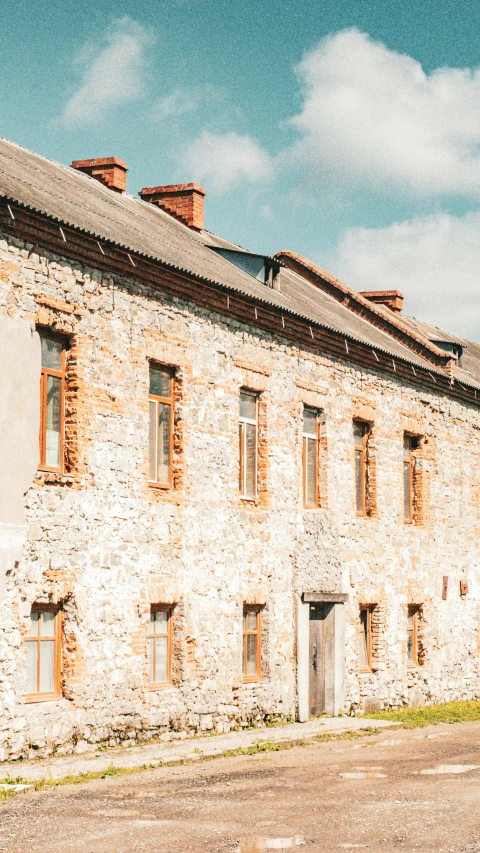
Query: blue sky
[[346, 131]]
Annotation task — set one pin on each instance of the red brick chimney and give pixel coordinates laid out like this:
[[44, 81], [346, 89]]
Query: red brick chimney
[[183, 201], [108, 170], [392, 299]]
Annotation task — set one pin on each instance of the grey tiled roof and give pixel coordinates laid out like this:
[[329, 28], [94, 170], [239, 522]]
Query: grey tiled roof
[[73, 198], [471, 351]]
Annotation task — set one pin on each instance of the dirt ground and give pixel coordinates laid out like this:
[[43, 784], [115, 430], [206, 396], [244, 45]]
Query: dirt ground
[[296, 798]]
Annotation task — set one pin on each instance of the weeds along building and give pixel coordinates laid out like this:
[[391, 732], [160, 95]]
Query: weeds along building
[[233, 490]]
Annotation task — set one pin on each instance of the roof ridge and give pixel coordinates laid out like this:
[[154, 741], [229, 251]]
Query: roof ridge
[[345, 290]]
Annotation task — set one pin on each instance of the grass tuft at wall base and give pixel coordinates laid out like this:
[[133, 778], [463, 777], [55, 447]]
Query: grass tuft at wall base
[[448, 712]]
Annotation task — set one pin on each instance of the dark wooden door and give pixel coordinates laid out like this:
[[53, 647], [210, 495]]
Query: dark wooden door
[[317, 660]]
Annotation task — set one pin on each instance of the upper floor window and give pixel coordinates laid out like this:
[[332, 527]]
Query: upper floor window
[[310, 457], [248, 434], [160, 646], [252, 643], [52, 393], [43, 654], [410, 445], [160, 426], [361, 432]]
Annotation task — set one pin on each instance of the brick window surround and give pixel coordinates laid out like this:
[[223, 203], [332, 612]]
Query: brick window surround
[[415, 646], [370, 628], [365, 469], [414, 497], [72, 412]]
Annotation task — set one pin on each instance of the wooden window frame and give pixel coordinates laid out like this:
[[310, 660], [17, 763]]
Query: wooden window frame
[[170, 401], [363, 448], [368, 608], [59, 374], [161, 608], [306, 437], [410, 460], [414, 610], [56, 693], [242, 421], [251, 608]]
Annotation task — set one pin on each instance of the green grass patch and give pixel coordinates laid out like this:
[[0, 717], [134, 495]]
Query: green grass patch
[[430, 715]]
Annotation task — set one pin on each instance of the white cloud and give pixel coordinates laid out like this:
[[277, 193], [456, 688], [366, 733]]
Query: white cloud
[[434, 261], [182, 101], [373, 118], [112, 74], [225, 160]]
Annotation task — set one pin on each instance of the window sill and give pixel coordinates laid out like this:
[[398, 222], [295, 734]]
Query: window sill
[[54, 478], [160, 486], [162, 685], [33, 698], [251, 679], [365, 670], [253, 499]]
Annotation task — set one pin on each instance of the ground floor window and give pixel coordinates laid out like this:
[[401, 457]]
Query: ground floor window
[[412, 634], [252, 643], [364, 637], [43, 645], [160, 646]]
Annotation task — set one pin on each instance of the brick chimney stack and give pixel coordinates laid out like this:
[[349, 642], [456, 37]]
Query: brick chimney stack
[[108, 170], [392, 299], [183, 201]]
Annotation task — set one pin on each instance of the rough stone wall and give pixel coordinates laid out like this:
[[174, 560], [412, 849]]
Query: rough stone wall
[[105, 546]]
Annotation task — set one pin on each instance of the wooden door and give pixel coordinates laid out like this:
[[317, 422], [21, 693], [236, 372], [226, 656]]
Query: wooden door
[[317, 660]]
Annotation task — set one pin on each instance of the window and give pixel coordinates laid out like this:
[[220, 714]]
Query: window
[[248, 427], [364, 632], [361, 433], [252, 643], [410, 445], [160, 442], [160, 646], [310, 457], [43, 654], [412, 635], [52, 391]]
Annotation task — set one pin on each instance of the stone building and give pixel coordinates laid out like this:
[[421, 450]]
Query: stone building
[[256, 492]]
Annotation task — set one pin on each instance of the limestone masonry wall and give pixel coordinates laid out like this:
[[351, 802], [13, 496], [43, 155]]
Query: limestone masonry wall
[[106, 546]]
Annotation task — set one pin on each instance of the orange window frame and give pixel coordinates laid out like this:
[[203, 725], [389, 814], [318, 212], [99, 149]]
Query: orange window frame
[[361, 444], [412, 631], [242, 422], [307, 437], [409, 459], [153, 634], [366, 638], [168, 401], [59, 374], [57, 672], [247, 610]]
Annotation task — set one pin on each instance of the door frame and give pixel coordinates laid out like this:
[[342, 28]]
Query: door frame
[[334, 659]]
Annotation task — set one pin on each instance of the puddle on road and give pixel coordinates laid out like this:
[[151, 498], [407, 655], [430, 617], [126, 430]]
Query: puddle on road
[[259, 844], [448, 768], [363, 774]]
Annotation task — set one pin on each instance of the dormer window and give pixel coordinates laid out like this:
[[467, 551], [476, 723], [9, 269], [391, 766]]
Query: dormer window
[[261, 267]]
